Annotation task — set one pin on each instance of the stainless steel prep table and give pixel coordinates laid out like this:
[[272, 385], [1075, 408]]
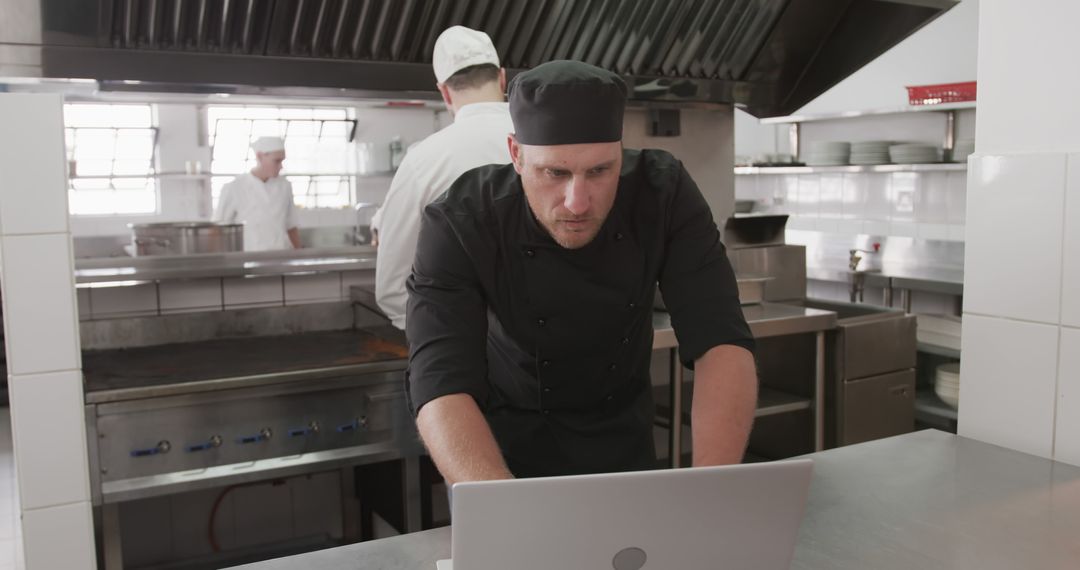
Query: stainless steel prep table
[[765, 320], [921, 500]]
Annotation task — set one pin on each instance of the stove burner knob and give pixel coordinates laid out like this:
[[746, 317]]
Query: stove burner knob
[[214, 441], [311, 429], [163, 446], [359, 423]]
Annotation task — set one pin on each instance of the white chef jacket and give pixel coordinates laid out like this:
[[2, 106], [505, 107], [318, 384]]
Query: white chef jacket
[[477, 137], [265, 208]]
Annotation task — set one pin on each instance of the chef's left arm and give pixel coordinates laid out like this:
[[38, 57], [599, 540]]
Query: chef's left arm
[[292, 225], [702, 296]]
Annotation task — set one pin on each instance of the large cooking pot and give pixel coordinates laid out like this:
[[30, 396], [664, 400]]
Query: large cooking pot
[[186, 238]]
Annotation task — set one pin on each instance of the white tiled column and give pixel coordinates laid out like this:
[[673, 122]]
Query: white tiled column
[[1020, 386], [42, 336]]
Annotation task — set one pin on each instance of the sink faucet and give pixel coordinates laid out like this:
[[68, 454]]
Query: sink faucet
[[854, 257]]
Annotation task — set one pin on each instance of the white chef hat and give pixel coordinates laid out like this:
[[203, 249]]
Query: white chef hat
[[268, 144], [459, 47]]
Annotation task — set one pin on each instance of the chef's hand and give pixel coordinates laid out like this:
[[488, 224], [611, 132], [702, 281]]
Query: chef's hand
[[375, 238]]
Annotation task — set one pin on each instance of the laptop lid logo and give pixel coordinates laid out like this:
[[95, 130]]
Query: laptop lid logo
[[629, 559]]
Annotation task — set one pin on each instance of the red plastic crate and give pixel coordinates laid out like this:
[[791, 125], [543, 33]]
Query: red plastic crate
[[943, 93]]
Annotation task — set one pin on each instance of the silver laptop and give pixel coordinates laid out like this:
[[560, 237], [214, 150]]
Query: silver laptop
[[732, 517]]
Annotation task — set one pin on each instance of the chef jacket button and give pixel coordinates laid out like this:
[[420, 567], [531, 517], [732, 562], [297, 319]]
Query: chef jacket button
[[545, 363], [547, 390], [547, 412], [618, 236], [540, 322], [530, 253], [630, 305], [612, 367], [626, 340], [610, 397]]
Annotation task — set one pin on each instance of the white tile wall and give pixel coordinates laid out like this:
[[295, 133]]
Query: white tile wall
[[932, 198], [1012, 266], [1070, 298], [903, 204], [1067, 439], [854, 197], [957, 232], [124, 301], [60, 537], [39, 307], [34, 165], [878, 206], [903, 189], [312, 288], [190, 295], [903, 229], [934, 231], [249, 292], [956, 196], [1007, 383], [876, 227], [50, 438], [809, 195], [1025, 103]]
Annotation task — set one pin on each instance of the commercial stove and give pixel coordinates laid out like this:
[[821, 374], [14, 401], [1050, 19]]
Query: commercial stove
[[187, 416]]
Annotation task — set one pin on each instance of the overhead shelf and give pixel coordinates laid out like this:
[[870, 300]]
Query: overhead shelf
[[869, 113], [936, 167]]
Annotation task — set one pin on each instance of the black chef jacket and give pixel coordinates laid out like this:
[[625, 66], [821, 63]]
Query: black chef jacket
[[554, 344]]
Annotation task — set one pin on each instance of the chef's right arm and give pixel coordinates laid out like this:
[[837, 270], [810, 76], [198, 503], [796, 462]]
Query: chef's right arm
[[446, 326]]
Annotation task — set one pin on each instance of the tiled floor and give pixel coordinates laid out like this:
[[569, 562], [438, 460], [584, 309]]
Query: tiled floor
[[11, 556]]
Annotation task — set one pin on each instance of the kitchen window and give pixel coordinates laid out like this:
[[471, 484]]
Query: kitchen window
[[320, 154], [110, 151]]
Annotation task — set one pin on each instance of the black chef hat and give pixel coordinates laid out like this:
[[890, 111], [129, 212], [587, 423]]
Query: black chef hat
[[567, 102]]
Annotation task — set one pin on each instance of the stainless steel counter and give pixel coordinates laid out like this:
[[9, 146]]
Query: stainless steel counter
[[238, 264], [765, 320], [949, 281], [922, 500]]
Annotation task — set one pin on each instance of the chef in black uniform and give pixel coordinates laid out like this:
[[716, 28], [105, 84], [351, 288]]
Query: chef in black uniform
[[531, 298]]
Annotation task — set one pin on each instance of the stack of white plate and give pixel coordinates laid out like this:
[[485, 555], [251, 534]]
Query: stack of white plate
[[827, 153], [963, 149], [870, 152], [947, 383], [913, 153]]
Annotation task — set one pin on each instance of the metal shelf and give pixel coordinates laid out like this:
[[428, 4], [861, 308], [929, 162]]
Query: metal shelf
[[936, 167], [869, 113], [928, 404], [770, 402], [937, 349]]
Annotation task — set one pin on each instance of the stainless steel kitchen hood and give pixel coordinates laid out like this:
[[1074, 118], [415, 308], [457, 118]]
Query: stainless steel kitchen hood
[[768, 56]]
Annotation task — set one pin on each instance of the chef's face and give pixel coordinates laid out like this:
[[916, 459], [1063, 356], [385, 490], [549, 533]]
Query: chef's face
[[270, 163], [570, 188]]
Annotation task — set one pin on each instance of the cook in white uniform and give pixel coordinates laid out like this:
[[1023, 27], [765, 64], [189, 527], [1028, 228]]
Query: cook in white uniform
[[473, 86], [262, 200]]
